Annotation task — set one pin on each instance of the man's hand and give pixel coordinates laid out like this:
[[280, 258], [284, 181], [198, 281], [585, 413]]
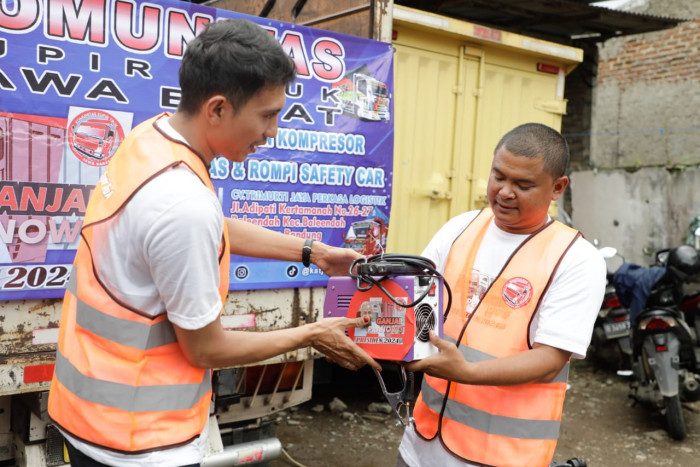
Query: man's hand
[[541, 364], [332, 341], [333, 261], [448, 363]]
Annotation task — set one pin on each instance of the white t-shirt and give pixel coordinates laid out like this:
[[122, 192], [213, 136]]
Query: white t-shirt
[[563, 320], [162, 251]]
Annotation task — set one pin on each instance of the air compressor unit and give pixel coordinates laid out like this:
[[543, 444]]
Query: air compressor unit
[[402, 310]]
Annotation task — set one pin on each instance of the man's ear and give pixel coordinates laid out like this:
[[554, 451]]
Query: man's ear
[[214, 108], [560, 185]]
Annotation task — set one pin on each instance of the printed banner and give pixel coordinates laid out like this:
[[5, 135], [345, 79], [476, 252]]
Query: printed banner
[[75, 77]]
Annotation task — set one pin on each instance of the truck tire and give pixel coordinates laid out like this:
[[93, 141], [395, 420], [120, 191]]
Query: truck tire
[[675, 424]]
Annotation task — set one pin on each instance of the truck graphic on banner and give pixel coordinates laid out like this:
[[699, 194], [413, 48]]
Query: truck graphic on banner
[[363, 96], [368, 236], [94, 136]]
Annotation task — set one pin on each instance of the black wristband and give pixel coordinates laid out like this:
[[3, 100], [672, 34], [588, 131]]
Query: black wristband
[[306, 252]]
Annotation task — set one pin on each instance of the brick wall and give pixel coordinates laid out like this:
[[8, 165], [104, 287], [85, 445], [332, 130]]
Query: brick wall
[[670, 56]]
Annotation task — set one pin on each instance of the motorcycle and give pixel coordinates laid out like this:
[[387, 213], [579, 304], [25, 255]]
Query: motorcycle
[[690, 302], [610, 343], [664, 363]]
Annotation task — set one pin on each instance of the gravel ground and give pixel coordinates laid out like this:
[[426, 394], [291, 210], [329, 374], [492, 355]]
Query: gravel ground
[[600, 425]]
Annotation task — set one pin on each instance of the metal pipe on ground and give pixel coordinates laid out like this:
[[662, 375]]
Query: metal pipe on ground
[[253, 452]]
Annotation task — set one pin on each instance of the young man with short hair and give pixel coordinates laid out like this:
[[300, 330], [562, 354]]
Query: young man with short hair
[[140, 328]]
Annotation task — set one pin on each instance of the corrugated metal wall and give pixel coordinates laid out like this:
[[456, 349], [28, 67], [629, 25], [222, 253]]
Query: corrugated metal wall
[[431, 112], [454, 98]]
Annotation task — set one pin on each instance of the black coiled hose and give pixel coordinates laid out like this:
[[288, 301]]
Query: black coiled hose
[[371, 271]]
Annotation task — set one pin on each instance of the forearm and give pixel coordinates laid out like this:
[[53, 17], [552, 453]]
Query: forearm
[[244, 347], [539, 365], [214, 347], [251, 240]]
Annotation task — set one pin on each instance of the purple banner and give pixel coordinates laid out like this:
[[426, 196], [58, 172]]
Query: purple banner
[[74, 80]]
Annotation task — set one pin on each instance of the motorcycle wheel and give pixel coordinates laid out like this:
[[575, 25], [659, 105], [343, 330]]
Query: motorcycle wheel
[[675, 424]]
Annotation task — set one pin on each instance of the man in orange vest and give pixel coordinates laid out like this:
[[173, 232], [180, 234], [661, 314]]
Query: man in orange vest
[[140, 327], [526, 291]]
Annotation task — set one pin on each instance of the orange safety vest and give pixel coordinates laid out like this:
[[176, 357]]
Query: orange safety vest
[[121, 380], [497, 425]]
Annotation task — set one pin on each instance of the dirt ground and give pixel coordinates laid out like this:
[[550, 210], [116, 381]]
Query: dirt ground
[[600, 425]]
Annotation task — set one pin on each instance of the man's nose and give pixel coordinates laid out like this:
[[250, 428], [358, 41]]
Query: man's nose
[[506, 191], [271, 130]]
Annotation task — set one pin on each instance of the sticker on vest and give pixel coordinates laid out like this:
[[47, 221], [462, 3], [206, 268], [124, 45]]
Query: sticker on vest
[[517, 292], [478, 285]]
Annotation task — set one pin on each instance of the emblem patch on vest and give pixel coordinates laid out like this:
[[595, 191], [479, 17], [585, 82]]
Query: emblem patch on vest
[[517, 292]]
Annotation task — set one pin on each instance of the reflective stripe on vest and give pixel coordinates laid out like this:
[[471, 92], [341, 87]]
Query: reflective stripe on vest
[[489, 423], [131, 398], [131, 333], [121, 380], [505, 425], [494, 424]]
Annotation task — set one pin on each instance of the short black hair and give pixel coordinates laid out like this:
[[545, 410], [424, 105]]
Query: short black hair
[[538, 140], [235, 58]]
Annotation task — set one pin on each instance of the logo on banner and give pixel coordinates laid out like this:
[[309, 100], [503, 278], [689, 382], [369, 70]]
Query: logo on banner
[[517, 292], [93, 137]]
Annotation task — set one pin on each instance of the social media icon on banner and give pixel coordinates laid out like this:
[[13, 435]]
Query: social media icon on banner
[[292, 270], [241, 272]]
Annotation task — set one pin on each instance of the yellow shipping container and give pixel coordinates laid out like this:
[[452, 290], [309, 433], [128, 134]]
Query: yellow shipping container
[[458, 87]]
